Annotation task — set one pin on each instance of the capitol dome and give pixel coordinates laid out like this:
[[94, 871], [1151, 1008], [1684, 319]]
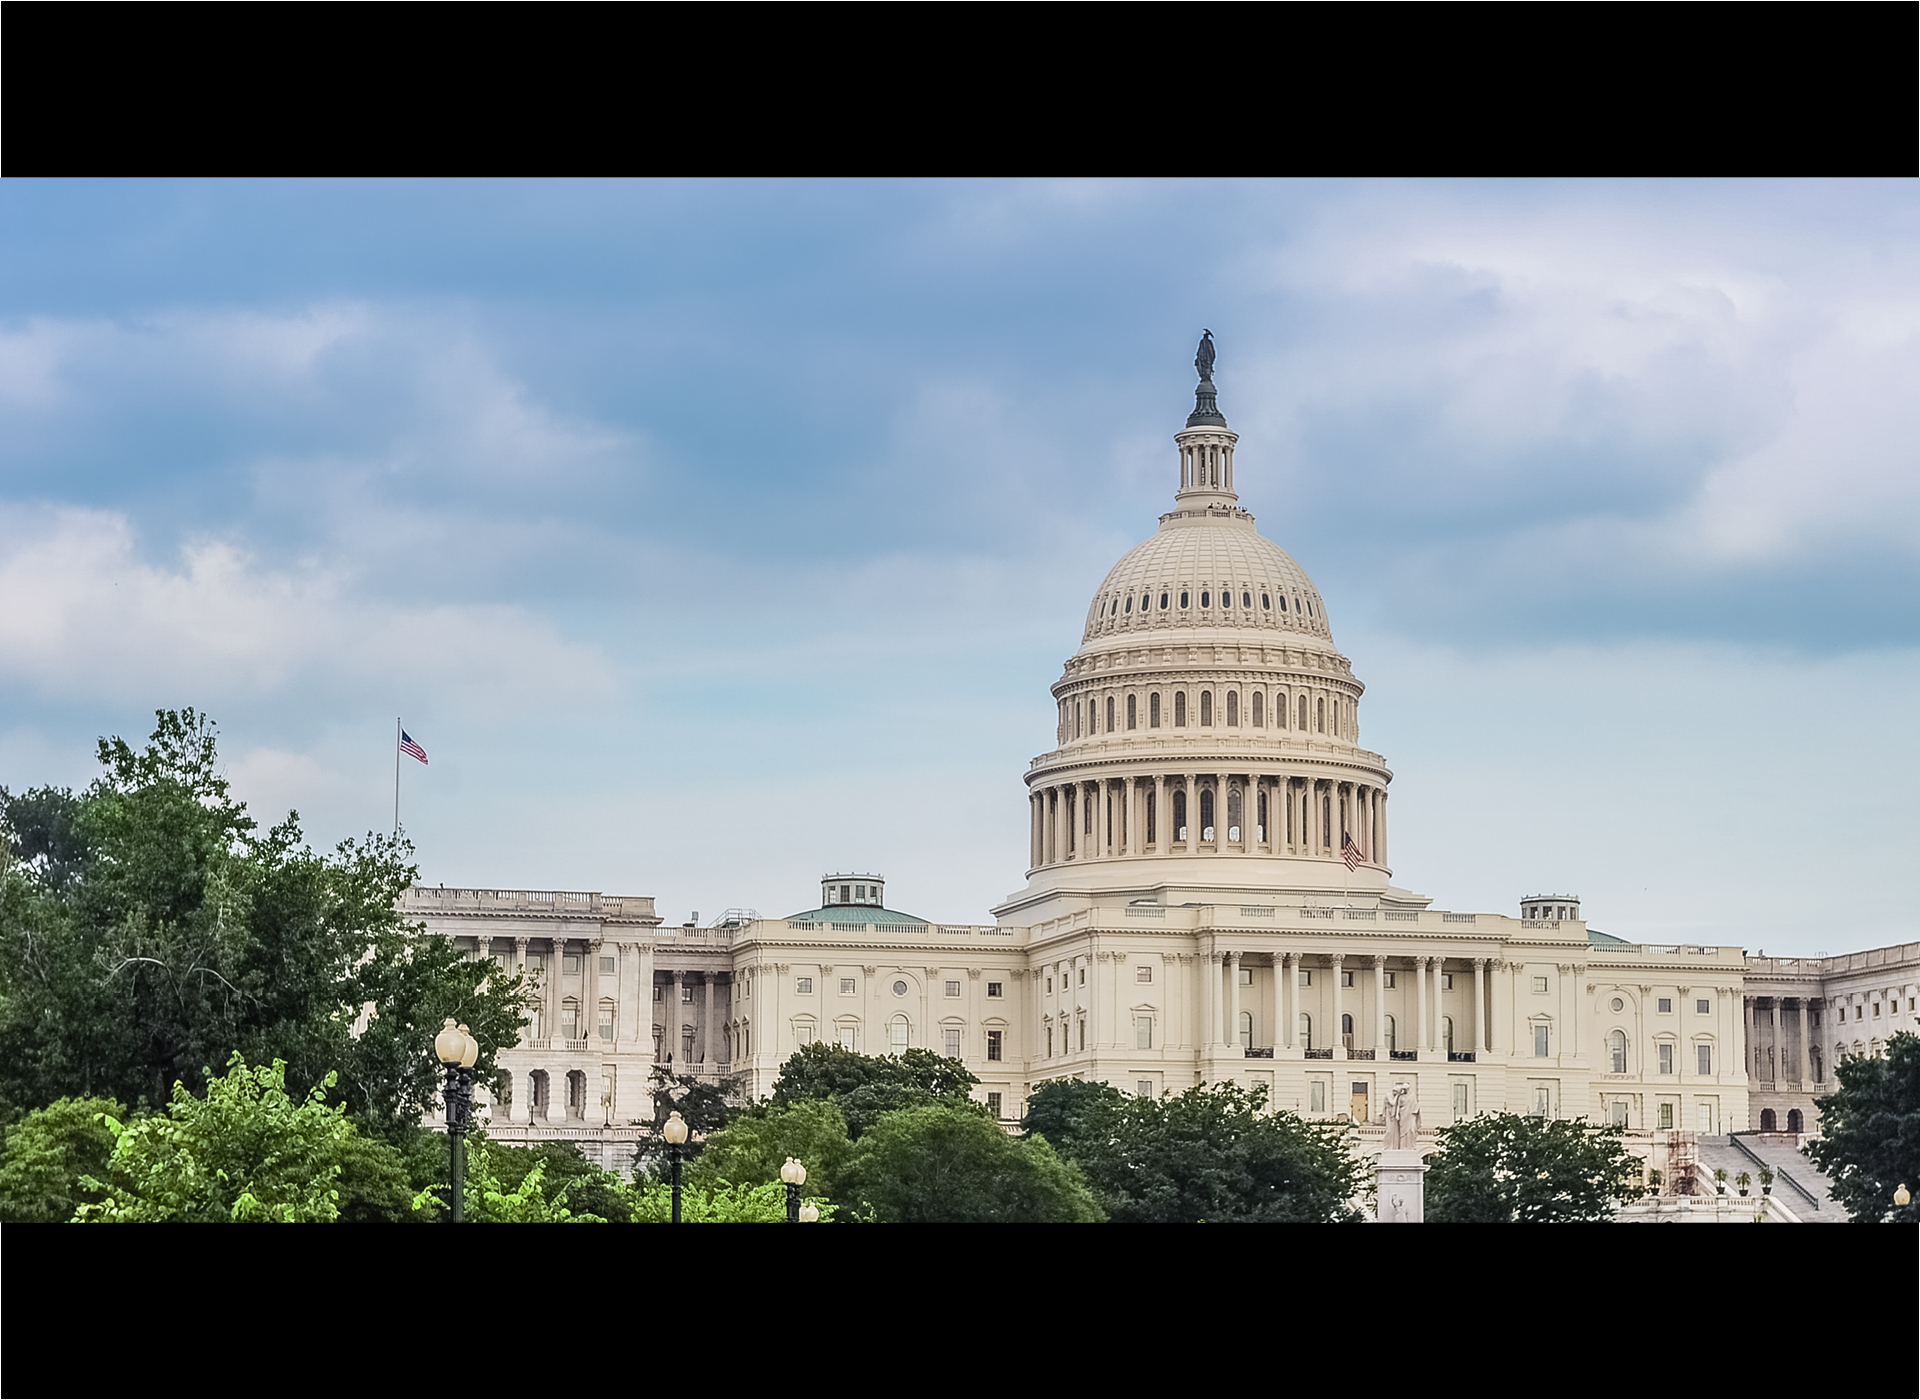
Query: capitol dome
[[1207, 730]]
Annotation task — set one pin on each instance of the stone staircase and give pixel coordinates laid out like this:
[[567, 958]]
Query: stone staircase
[[1798, 1184]]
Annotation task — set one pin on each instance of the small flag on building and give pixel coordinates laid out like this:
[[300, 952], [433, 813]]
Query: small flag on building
[[411, 749], [1351, 853]]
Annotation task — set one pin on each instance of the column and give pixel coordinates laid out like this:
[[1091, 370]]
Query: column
[[1279, 1036], [556, 960], [1162, 837], [1501, 1009], [1333, 1026], [1233, 1001], [626, 995], [1290, 1023], [643, 1023], [1420, 966], [706, 1019], [1439, 1018], [1379, 1008], [1577, 1023], [1746, 1035], [670, 1019], [1479, 1005], [1313, 833], [1033, 830], [590, 996], [1800, 1051], [1380, 835]]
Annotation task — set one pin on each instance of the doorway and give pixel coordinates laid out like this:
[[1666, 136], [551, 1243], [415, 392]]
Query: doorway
[[1357, 1106]]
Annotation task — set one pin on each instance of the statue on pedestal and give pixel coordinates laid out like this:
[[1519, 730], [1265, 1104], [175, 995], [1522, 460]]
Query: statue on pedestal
[[1403, 1120]]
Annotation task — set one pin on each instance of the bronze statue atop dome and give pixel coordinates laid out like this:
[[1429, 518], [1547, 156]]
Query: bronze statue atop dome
[[1203, 361]]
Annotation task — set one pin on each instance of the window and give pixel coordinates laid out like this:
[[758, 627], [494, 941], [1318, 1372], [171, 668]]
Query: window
[[1183, 600], [1246, 599], [899, 989], [993, 1104], [1233, 709], [1306, 976], [1246, 1030], [1283, 602], [1256, 711], [1246, 977], [1179, 815], [1446, 1026], [1153, 710], [897, 1035], [1392, 1036], [1179, 709], [1049, 986], [953, 989], [1459, 1102], [1143, 973], [847, 1038], [993, 1044], [1346, 979], [1539, 984], [1206, 600], [1320, 716], [1303, 714], [1389, 977], [657, 990], [606, 1020], [1666, 1004], [1266, 602], [1540, 1036], [1664, 1052], [1617, 1113], [1617, 1004], [1617, 1047], [570, 1020], [1207, 811], [1317, 1096], [1666, 1117], [1049, 1042], [606, 964], [686, 1042], [846, 894], [952, 1038], [846, 986], [1143, 1088], [1082, 1034], [1083, 977], [803, 986], [1206, 708], [993, 989], [1109, 714], [1133, 712], [1542, 1101], [570, 964], [1306, 1031], [1446, 981], [1705, 1055], [1346, 1029], [1703, 1008], [1143, 1032], [686, 993], [1704, 1116]]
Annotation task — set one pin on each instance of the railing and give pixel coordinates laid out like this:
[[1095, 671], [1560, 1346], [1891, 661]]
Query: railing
[[1460, 1057], [1539, 923], [1359, 1054], [1360, 914], [1459, 918], [577, 1044], [1307, 913], [1257, 1052], [1318, 1054], [1256, 911], [1780, 1173], [1401, 916], [1146, 911], [1403, 1054]]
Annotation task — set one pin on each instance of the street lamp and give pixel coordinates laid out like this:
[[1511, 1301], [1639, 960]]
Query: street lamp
[[674, 1130], [458, 1051], [795, 1176], [1901, 1196]]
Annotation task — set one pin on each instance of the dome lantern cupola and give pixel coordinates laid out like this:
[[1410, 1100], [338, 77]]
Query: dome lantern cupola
[[1206, 447]]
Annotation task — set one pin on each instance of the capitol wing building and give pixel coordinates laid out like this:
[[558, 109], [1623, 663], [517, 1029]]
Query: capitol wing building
[[1208, 898]]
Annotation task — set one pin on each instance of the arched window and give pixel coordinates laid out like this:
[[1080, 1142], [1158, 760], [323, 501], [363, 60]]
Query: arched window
[[1079, 719], [1163, 602], [1320, 715], [1153, 710], [1266, 602], [1767, 1120], [1206, 814], [1246, 599], [1129, 606], [1346, 1029], [1152, 814], [1206, 600], [1233, 709], [1183, 599], [1283, 602], [1302, 724], [1235, 816], [1179, 815], [1110, 714], [1261, 816], [1246, 1030], [1179, 709], [1392, 1031], [1617, 1048], [1257, 717], [1795, 1123], [1133, 712], [1306, 1031], [1206, 708], [1446, 1031], [897, 1034]]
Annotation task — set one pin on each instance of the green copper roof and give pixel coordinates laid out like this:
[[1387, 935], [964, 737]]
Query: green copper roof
[[1595, 936], [854, 914]]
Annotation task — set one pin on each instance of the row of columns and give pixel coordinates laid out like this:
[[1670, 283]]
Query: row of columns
[[1206, 465], [1306, 815], [1789, 1062], [633, 1016], [1221, 1005]]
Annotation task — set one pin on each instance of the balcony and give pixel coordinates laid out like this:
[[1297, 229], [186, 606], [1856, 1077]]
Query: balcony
[[1360, 1054], [1459, 1057], [1318, 1054], [1257, 1052], [1403, 1054]]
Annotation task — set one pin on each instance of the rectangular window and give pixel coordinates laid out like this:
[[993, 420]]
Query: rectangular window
[[656, 992], [1346, 979], [1306, 977], [606, 1023], [1539, 984], [1705, 1053], [570, 964], [1143, 973], [1083, 977], [1143, 1032], [1049, 986], [570, 1021], [1246, 977], [846, 986], [606, 964], [1389, 977], [1317, 1096], [953, 1042], [1666, 1117], [1542, 1101], [1704, 1117], [1665, 1050], [1459, 1102], [1666, 1004], [993, 1104], [1083, 1035], [1703, 1008], [1446, 981], [993, 1044], [953, 989], [1540, 1042], [1143, 1088], [686, 992], [804, 986], [993, 989]]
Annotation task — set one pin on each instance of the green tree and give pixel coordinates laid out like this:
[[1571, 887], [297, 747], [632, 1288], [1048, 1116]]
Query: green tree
[[753, 1147], [505, 1187], [247, 1152], [867, 1086], [589, 1190], [1869, 1142], [946, 1161], [147, 929], [721, 1203], [1209, 1154], [704, 1104], [1501, 1167], [48, 1153]]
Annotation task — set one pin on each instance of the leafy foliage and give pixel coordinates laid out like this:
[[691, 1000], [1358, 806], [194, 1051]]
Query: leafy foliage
[[1870, 1132], [946, 1161], [868, 1086], [247, 1152], [752, 1148], [720, 1203], [590, 1191], [48, 1153], [1501, 1167], [147, 930], [1209, 1154], [706, 1105]]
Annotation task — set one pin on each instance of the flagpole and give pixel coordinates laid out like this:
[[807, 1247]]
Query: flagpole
[[396, 777]]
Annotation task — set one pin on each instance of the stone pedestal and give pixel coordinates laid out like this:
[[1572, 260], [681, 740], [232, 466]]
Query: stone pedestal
[[1402, 1184]]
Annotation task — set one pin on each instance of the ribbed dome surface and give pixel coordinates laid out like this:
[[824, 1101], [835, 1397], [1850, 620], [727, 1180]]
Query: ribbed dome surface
[[1207, 574]]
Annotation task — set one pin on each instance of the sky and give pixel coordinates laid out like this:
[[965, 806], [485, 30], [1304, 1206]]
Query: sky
[[712, 536]]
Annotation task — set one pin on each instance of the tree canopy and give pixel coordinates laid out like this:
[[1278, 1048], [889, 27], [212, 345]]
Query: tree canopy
[[867, 1086], [1211, 1154], [1869, 1143], [947, 1161], [148, 931], [1504, 1167]]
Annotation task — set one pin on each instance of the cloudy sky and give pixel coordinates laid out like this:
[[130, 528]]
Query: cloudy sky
[[714, 535]]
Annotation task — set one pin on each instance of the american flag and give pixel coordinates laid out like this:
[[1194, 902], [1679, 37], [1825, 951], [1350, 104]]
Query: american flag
[[411, 749], [1351, 853]]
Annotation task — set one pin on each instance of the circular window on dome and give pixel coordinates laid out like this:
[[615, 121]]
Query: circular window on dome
[[899, 989], [1206, 600], [1619, 1005], [1183, 600], [1246, 600], [1266, 601], [1163, 602]]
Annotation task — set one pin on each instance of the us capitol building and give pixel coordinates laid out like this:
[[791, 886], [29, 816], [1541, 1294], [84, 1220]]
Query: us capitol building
[[1208, 898]]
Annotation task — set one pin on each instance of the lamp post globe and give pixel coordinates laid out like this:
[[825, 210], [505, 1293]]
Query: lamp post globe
[[795, 1176], [459, 1052], [450, 1044], [1901, 1196], [809, 1213], [674, 1130]]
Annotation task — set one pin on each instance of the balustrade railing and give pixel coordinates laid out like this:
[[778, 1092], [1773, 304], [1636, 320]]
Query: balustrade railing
[[1318, 1054], [1359, 1054], [1460, 1057], [1403, 1054], [1257, 1052]]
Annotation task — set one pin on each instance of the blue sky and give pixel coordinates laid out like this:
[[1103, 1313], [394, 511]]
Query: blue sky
[[711, 535]]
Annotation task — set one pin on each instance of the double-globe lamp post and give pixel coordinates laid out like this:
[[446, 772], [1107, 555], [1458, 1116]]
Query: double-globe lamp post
[[795, 1176], [674, 1132], [457, 1051]]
